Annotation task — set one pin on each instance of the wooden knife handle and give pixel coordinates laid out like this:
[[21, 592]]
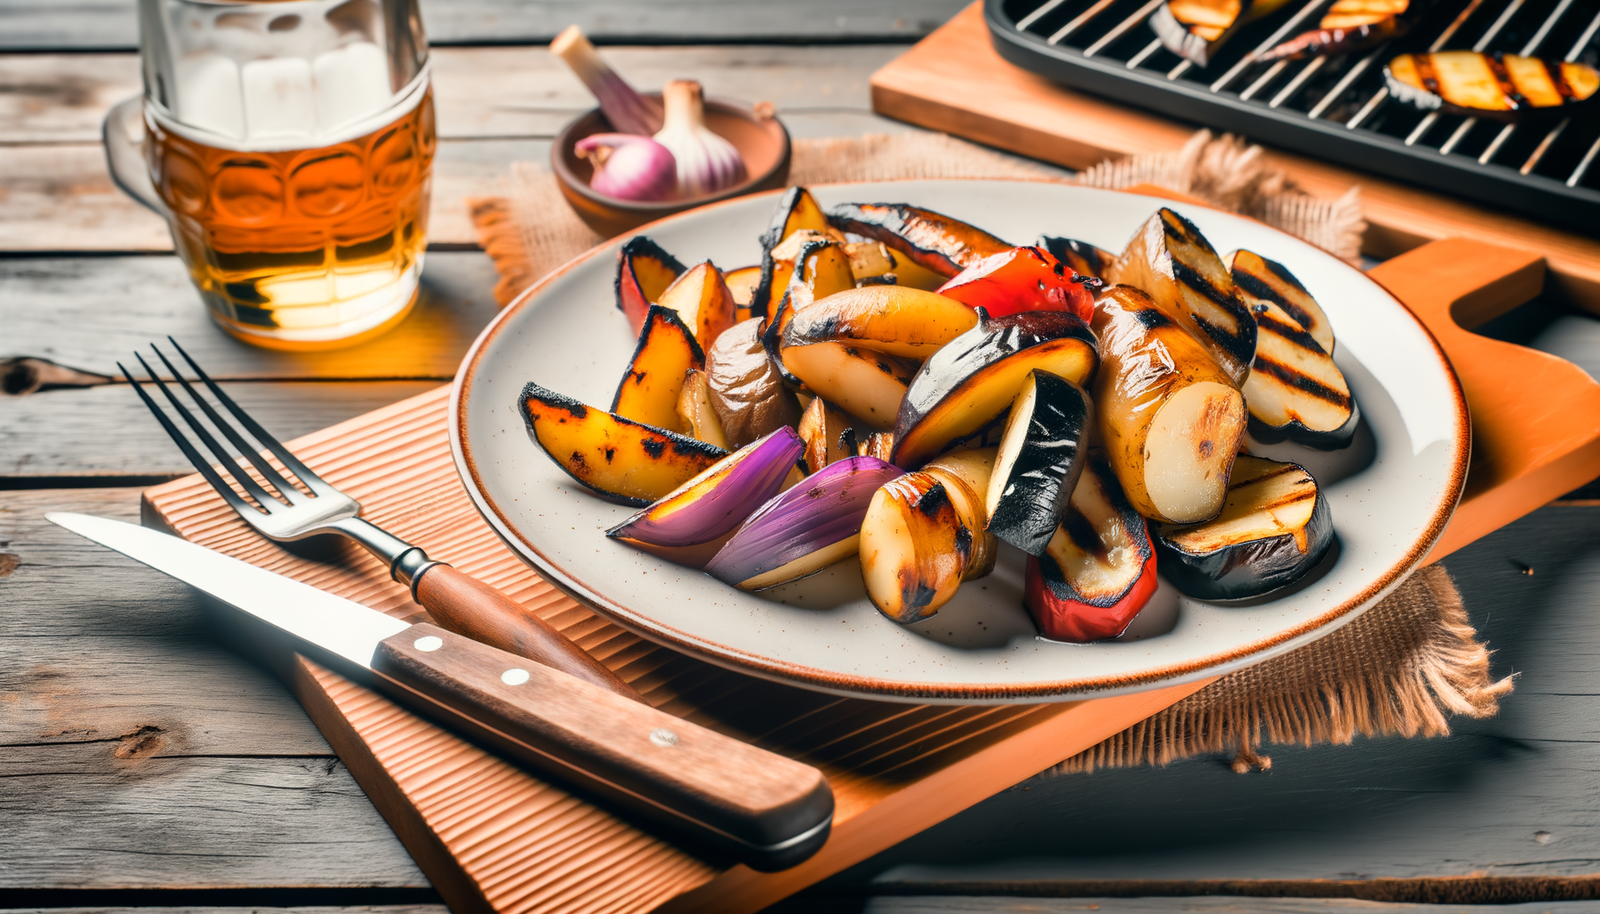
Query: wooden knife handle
[[466, 605], [765, 810]]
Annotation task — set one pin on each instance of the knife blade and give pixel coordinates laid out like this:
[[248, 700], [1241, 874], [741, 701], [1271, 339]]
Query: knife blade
[[724, 796]]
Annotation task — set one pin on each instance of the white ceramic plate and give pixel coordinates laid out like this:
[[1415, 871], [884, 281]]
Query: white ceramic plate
[[1391, 492]]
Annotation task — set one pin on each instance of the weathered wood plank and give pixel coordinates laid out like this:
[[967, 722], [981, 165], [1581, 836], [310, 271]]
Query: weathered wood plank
[[1513, 796], [100, 431], [972, 905], [219, 909], [87, 313], [110, 24]]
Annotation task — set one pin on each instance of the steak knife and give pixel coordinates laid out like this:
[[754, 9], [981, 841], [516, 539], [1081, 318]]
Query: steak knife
[[722, 795]]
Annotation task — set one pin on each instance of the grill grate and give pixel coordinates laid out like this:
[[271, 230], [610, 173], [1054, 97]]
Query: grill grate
[[1338, 107]]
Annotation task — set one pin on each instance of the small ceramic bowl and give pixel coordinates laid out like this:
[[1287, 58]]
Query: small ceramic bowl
[[762, 141]]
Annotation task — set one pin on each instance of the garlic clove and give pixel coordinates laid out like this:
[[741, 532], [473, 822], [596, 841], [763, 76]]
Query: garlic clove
[[706, 162]]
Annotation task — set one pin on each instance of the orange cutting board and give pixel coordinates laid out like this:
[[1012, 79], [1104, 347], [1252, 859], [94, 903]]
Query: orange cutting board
[[492, 837]]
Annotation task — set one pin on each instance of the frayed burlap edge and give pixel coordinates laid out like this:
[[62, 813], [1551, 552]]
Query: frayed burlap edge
[[1401, 668]]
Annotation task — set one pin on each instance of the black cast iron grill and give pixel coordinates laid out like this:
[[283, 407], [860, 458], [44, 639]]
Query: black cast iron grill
[[1338, 108]]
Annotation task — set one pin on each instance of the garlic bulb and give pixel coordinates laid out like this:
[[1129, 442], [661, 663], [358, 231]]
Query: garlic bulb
[[626, 109], [629, 167], [707, 163]]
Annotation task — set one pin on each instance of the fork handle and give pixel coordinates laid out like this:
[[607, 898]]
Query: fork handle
[[467, 606]]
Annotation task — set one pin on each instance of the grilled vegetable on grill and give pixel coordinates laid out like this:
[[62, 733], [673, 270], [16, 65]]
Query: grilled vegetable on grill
[[616, 458], [1294, 391], [797, 210], [804, 529], [644, 271], [829, 434], [747, 392], [1275, 527], [1196, 29], [690, 524], [868, 385], [1170, 419], [1492, 85], [965, 475], [1080, 256], [888, 319], [935, 241], [1173, 263], [1099, 568], [1263, 278], [702, 301], [914, 548], [1022, 279], [970, 382], [1350, 25], [650, 387], [696, 412], [1039, 461]]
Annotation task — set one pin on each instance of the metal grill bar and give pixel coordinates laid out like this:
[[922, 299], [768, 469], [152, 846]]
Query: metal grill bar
[[1065, 31], [1277, 36], [1288, 91], [1381, 95], [1122, 28], [1036, 15], [1139, 58], [1527, 49]]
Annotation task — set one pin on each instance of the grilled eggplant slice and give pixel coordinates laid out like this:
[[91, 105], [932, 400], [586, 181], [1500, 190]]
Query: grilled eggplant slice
[[1196, 29], [972, 381], [1023, 279], [828, 432], [1275, 527], [797, 210], [1176, 266], [966, 475], [1099, 568], [1080, 256], [1038, 462], [748, 394], [696, 412], [914, 548], [909, 323], [654, 379], [932, 240], [703, 301], [644, 271], [1295, 392], [1260, 278], [1171, 420], [868, 385], [1350, 25], [615, 458], [1503, 87]]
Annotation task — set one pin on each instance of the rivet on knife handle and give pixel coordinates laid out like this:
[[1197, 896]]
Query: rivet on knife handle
[[768, 811]]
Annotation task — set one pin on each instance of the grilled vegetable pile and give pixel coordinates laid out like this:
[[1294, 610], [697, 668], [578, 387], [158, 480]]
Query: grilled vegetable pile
[[897, 387]]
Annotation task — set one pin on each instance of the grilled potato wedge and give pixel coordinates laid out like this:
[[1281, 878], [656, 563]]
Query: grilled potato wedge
[[1349, 25], [868, 385], [1259, 278], [879, 445], [615, 458], [1080, 256], [898, 321], [1169, 260], [932, 240], [1275, 527], [914, 548], [1196, 29], [703, 301], [797, 211], [696, 412], [644, 271], [654, 379], [1498, 86], [742, 283], [1295, 392], [829, 434], [746, 390], [1170, 418], [965, 475]]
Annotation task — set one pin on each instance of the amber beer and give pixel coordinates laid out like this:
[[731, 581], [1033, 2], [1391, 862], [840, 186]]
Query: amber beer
[[301, 248]]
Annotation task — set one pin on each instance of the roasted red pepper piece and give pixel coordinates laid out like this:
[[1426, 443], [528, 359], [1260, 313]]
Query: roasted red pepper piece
[[1023, 279], [1065, 619]]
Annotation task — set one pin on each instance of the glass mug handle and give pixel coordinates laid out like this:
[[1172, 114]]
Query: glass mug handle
[[123, 133]]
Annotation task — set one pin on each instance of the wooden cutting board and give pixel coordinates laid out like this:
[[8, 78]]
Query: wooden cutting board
[[954, 81], [492, 837]]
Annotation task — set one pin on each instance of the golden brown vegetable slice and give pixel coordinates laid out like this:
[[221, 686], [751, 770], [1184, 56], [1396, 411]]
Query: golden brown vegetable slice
[[703, 301], [644, 271], [965, 475], [747, 393], [890, 319], [1503, 87], [696, 412], [1349, 25], [825, 270], [616, 458], [828, 432], [1196, 29], [797, 210], [879, 445], [742, 283], [1170, 419], [914, 548], [650, 387], [1170, 261], [1259, 278], [932, 240], [868, 385]]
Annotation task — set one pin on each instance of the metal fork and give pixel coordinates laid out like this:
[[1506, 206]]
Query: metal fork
[[455, 600]]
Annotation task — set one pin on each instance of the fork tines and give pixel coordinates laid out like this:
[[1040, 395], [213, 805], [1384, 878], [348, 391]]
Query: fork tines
[[287, 494]]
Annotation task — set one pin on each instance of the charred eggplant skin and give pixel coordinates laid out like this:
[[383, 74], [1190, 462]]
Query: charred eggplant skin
[[933, 240], [1249, 569], [1030, 499], [1079, 256], [634, 291]]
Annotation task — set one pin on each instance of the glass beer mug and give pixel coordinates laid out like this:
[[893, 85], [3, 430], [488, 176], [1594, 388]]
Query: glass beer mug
[[289, 144]]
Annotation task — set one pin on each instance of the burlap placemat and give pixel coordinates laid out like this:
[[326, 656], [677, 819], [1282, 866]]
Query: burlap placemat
[[1402, 668]]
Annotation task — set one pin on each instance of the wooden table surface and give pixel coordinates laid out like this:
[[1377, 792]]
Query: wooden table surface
[[142, 765]]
